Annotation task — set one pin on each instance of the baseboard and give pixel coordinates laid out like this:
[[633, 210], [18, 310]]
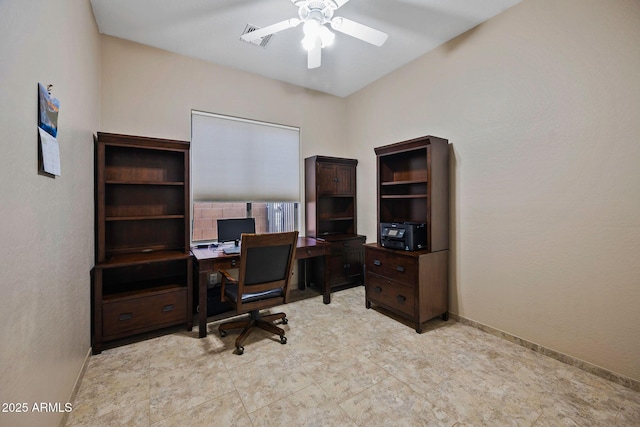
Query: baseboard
[[76, 387], [569, 360]]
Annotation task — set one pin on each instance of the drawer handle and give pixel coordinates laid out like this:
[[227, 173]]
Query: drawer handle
[[125, 316], [377, 289], [308, 251], [167, 308], [377, 262], [400, 268], [401, 298], [233, 263]]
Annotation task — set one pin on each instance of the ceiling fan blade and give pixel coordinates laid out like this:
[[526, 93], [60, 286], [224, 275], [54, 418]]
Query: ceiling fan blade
[[314, 56], [270, 29], [359, 31]]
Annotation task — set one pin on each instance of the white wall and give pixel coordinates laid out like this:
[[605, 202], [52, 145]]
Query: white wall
[[541, 105], [47, 224]]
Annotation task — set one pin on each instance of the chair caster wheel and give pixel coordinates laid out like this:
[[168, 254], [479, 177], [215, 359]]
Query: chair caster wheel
[[285, 321], [283, 340], [223, 333], [239, 350]]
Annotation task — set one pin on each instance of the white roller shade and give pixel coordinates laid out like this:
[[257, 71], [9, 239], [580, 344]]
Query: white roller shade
[[236, 159]]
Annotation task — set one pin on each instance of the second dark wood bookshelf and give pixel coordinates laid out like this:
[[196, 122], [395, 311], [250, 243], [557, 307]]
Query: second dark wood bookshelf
[[330, 199], [412, 187]]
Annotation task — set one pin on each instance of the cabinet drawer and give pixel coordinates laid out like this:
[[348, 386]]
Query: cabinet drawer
[[226, 263], [142, 312], [310, 252], [392, 294], [396, 267]]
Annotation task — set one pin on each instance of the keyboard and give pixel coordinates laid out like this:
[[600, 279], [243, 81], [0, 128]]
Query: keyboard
[[231, 250]]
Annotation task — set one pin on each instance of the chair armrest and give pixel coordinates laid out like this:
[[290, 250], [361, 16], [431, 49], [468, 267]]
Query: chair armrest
[[226, 277]]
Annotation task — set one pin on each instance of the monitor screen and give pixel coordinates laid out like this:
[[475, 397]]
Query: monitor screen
[[231, 229]]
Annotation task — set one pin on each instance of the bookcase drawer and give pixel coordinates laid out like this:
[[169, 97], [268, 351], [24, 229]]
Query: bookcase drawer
[[394, 266], [142, 312], [392, 294]]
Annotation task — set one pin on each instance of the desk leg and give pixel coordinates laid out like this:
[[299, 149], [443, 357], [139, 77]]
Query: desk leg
[[326, 297], [190, 294], [203, 279], [302, 274]]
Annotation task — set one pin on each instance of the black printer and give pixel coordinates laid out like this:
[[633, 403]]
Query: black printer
[[406, 236]]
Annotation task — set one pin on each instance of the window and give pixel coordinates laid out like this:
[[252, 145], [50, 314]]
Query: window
[[243, 168], [270, 217]]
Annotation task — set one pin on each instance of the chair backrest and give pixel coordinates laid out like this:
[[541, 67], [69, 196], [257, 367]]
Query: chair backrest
[[266, 263]]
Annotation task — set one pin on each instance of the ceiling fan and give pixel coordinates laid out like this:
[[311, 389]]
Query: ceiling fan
[[314, 14]]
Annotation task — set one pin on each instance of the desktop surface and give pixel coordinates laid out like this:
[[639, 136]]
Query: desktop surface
[[231, 250]]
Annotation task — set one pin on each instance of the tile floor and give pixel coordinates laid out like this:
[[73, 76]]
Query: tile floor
[[344, 365]]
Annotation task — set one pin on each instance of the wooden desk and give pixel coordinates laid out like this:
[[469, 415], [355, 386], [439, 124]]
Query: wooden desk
[[210, 260]]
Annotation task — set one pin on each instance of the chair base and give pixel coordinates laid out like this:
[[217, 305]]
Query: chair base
[[254, 321]]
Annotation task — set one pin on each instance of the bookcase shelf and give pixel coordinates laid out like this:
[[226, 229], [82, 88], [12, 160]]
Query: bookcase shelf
[[403, 196], [142, 218], [113, 182]]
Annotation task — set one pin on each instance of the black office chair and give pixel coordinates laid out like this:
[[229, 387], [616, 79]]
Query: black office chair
[[266, 263]]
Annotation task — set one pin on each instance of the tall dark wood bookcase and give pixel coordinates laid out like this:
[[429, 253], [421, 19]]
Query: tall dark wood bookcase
[[330, 201], [142, 279], [412, 186]]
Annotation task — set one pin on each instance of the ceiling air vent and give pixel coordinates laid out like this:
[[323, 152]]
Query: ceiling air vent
[[262, 42]]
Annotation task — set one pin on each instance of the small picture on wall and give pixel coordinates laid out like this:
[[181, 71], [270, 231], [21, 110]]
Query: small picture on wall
[[48, 108]]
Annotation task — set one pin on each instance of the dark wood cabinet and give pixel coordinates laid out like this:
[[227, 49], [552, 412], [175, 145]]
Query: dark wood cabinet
[[412, 284], [330, 200], [412, 186], [142, 279], [346, 259], [336, 179]]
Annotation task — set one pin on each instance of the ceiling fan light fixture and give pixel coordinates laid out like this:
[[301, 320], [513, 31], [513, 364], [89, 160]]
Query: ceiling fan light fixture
[[313, 32], [326, 36], [311, 28], [308, 43]]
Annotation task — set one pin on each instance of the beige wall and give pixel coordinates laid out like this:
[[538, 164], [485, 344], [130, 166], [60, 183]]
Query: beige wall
[[541, 105], [47, 224], [151, 92]]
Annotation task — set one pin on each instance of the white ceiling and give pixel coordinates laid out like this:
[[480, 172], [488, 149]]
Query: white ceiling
[[210, 30]]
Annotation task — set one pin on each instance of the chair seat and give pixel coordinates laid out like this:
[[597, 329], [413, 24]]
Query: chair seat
[[231, 291]]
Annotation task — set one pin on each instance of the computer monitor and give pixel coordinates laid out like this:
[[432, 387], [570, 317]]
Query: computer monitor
[[231, 229]]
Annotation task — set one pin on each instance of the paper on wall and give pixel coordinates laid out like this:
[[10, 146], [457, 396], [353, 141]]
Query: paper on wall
[[50, 152]]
